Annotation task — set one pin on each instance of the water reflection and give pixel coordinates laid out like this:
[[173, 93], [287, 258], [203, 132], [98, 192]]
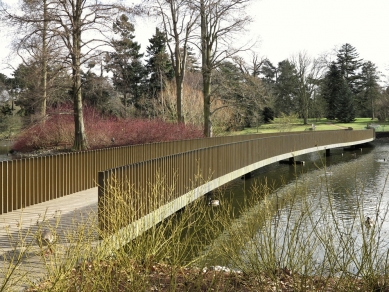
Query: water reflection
[[341, 192]]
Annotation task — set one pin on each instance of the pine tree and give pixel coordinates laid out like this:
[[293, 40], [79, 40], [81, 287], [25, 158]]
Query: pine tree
[[330, 90], [159, 66], [369, 89], [349, 63], [285, 88], [338, 96], [345, 112], [125, 63]]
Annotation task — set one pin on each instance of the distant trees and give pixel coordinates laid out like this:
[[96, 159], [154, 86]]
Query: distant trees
[[220, 22], [125, 62], [158, 64], [369, 89], [178, 21], [85, 51], [285, 88], [338, 95], [349, 63], [308, 73], [35, 43]]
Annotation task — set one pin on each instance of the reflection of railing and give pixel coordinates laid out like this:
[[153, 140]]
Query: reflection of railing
[[183, 170], [34, 180]]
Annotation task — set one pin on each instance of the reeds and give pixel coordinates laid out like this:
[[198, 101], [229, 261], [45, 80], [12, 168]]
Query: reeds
[[291, 238]]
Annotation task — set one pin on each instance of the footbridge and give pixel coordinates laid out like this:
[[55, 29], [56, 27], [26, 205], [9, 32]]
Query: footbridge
[[149, 191]]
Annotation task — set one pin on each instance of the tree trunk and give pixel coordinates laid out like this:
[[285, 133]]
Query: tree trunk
[[80, 142], [44, 61], [207, 105], [205, 54], [179, 86], [180, 60]]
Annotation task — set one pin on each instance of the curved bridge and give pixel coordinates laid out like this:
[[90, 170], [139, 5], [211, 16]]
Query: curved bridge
[[155, 189]]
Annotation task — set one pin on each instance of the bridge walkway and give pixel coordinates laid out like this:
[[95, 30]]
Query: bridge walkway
[[18, 229]]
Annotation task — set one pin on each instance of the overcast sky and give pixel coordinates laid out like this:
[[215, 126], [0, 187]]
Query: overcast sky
[[286, 27]]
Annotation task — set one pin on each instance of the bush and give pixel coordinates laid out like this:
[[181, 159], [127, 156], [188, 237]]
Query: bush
[[57, 130], [268, 115]]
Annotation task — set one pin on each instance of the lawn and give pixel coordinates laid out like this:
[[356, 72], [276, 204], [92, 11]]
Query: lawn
[[320, 125]]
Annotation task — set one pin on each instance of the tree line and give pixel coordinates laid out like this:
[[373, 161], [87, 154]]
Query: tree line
[[193, 70]]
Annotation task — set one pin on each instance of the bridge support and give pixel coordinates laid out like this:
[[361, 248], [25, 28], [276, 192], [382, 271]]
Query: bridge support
[[328, 152], [292, 161], [247, 175]]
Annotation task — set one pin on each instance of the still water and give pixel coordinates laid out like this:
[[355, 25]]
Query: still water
[[340, 192]]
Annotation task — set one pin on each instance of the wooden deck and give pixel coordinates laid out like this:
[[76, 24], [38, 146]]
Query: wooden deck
[[18, 229]]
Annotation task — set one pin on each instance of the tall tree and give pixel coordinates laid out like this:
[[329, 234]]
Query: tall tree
[[286, 88], [158, 64], [220, 22], [178, 22], [338, 95], [308, 73], [34, 41], [83, 28], [330, 90], [126, 64], [369, 88], [345, 112], [79, 28], [349, 63], [383, 105]]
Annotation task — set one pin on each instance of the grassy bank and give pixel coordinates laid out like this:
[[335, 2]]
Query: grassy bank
[[320, 125]]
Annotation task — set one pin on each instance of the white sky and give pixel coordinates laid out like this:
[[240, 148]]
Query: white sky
[[286, 27]]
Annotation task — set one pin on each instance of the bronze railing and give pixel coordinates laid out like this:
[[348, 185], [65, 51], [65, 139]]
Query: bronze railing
[[29, 181], [188, 170]]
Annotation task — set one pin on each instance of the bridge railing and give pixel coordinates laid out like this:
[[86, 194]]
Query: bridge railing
[[186, 171], [24, 182]]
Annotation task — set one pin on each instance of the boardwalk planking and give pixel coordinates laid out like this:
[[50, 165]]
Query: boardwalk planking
[[18, 232]]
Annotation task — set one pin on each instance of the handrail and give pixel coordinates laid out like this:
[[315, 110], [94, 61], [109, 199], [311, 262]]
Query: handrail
[[28, 181], [211, 164]]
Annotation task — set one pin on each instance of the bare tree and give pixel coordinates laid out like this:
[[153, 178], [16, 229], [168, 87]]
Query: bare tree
[[82, 29], [221, 21], [178, 22], [33, 42], [309, 71]]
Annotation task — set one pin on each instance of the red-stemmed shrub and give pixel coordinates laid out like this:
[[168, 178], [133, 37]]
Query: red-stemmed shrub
[[57, 131]]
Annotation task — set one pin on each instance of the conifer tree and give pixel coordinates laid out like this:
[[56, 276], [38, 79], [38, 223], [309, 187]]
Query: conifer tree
[[369, 89], [125, 63], [338, 95], [285, 88], [349, 63], [345, 112], [330, 90], [159, 66]]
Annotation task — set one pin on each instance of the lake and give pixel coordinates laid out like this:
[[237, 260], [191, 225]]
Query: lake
[[323, 220]]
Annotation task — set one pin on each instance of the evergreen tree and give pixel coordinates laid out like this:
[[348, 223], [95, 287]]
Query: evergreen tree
[[268, 115], [125, 63], [338, 95], [285, 88], [192, 64], [369, 89], [269, 72], [159, 66], [345, 104], [349, 63], [330, 90]]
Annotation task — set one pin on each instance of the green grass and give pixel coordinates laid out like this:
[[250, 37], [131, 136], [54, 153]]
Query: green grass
[[321, 125]]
